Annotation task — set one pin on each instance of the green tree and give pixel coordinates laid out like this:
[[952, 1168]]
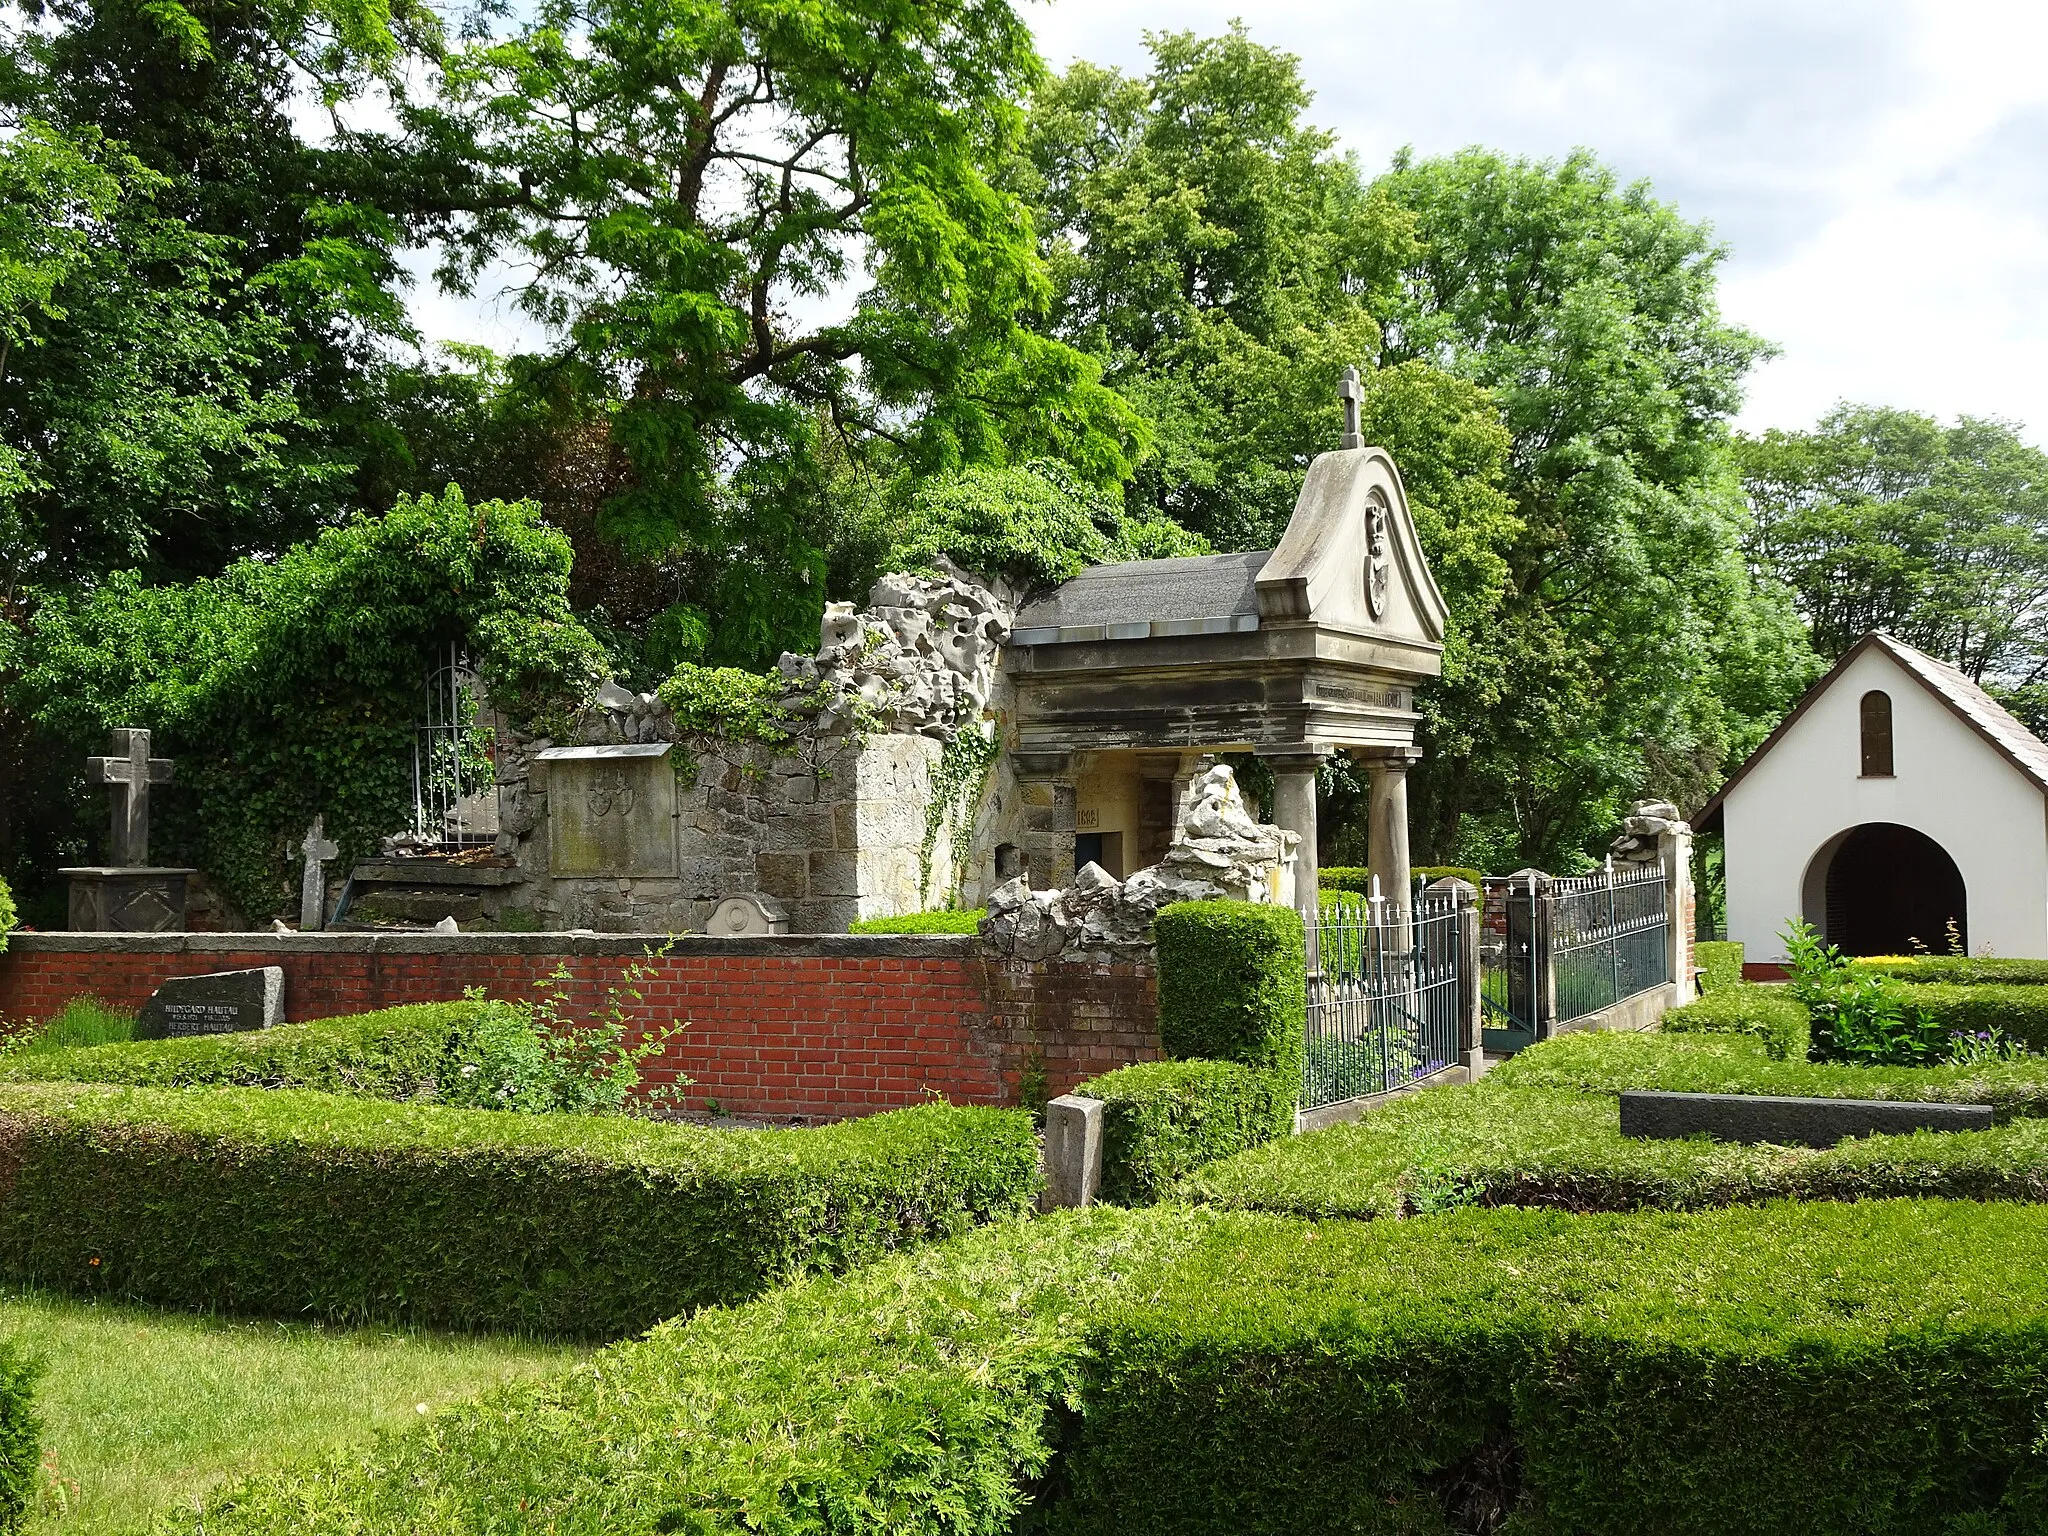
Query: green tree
[[690, 185], [1886, 519], [1634, 652]]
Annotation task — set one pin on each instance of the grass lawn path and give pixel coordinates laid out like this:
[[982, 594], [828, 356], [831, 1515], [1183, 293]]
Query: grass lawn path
[[147, 1410]]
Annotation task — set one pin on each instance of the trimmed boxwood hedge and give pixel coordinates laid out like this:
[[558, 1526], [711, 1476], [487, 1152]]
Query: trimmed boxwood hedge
[[1357, 878], [1958, 970], [1771, 1014], [295, 1203], [1791, 1371], [2020, 1012], [1161, 1120], [1720, 962], [21, 1435], [393, 1053], [1232, 983]]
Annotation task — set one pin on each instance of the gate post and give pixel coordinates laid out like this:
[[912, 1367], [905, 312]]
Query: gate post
[[1471, 1011]]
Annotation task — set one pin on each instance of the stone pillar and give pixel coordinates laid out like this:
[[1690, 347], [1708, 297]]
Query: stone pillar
[[1674, 851], [1387, 842], [1045, 787], [1471, 1010], [1294, 810]]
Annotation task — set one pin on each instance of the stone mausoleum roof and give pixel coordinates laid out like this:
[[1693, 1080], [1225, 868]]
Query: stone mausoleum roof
[[1139, 599]]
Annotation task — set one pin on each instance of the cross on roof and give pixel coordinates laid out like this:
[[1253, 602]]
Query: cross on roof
[[1350, 393], [129, 770]]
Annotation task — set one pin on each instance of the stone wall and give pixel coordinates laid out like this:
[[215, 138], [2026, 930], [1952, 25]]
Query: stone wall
[[821, 1028]]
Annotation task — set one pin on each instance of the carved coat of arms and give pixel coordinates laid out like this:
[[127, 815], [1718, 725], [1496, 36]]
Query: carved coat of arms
[[1378, 568], [610, 793]]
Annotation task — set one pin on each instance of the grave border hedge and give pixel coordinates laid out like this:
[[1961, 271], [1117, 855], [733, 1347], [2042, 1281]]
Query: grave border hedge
[[1162, 1120], [1233, 983], [292, 1203]]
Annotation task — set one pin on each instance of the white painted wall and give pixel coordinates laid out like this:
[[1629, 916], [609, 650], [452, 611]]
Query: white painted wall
[[1949, 783]]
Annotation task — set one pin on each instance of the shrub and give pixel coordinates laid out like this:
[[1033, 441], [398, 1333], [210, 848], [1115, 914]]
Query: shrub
[[1162, 1120], [1853, 1016], [1771, 1014], [8, 915], [313, 1204], [2018, 1012], [21, 1435], [1720, 963], [965, 920], [1957, 970], [1811, 1370], [1232, 983]]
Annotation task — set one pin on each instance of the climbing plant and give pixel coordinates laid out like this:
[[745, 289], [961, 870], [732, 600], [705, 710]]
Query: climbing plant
[[292, 686], [956, 786]]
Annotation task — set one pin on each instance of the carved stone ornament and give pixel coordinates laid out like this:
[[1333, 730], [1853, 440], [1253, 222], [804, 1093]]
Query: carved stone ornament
[[1377, 568]]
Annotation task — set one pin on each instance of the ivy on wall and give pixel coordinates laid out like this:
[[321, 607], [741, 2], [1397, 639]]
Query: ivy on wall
[[956, 786], [292, 686]]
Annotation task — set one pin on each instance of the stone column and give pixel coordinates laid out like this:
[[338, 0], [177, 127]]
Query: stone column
[[1674, 851], [1294, 810], [1387, 841], [1045, 787]]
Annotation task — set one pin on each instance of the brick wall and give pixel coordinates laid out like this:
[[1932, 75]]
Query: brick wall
[[819, 1027]]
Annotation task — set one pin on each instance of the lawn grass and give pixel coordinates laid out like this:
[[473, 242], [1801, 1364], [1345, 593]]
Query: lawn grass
[[147, 1411], [82, 1021]]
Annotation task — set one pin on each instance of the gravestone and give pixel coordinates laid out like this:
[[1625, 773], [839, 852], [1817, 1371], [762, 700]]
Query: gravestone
[[318, 849], [219, 1003], [743, 916], [130, 895], [611, 809]]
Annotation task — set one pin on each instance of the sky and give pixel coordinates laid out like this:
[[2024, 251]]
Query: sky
[[1877, 168]]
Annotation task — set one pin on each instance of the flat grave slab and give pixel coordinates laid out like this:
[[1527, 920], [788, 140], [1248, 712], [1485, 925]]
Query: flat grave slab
[[218, 1003], [1746, 1117]]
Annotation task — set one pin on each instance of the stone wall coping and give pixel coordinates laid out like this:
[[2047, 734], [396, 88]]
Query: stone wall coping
[[855, 946]]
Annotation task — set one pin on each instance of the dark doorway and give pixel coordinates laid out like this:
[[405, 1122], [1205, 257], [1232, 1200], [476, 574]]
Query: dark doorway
[[1889, 888]]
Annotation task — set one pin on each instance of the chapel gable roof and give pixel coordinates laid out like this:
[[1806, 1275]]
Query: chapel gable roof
[[1198, 594], [1991, 720]]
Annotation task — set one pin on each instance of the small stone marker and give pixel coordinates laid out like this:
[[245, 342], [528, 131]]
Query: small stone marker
[[1787, 1122], [129, 770], [219, 1003], [318, 849], [1073, 1151], [742, 916]]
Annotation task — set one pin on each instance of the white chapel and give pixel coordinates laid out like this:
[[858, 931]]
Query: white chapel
[[1898, 806]]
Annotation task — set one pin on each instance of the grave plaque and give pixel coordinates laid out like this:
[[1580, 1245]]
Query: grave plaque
[[219, 1003], [611, 810]]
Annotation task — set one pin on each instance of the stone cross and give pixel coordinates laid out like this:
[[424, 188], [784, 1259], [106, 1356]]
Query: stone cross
[[1351, 395], [130, 770], [318, 849]]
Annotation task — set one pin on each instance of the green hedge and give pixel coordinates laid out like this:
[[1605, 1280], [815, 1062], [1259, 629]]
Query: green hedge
[[1537, 1146], [1791, 1371], [967, 920], [2018, 1011], [473, 1054], [1608, 1061], [1958, 970], [314, 1204], [1162, 1120], [9, 917], [1357, 878], [21, 1435], [1232, 984], [1770, 1013], [1720, 961]]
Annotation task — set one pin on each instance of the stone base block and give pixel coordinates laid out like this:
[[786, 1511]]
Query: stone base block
[[1786, 1122], [128, 900]]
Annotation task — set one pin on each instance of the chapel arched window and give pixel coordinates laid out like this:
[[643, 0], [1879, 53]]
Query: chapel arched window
[[1876, 716]]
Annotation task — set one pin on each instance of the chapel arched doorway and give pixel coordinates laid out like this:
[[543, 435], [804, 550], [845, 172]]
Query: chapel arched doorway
[[1886, 889]]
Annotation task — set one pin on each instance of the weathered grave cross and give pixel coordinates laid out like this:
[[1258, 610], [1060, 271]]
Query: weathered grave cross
[[130, 770], [318, 849], [1351, 395]]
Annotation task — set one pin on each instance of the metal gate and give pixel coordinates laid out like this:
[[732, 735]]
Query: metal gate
[[454, 787], [1556, 950], [1383, 996]]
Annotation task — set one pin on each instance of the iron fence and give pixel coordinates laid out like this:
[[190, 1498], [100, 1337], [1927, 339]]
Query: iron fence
[[454, 787], [1383, 996], [1609, 938]]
